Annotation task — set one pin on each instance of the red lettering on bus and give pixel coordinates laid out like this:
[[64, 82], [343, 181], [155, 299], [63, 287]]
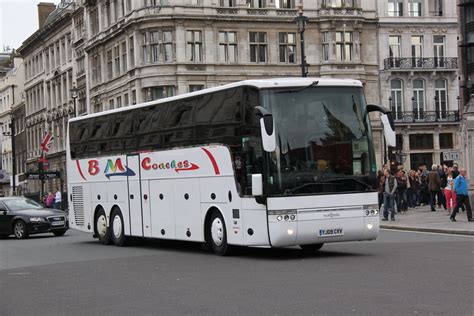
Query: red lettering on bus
[[93, 167], [146, 163]]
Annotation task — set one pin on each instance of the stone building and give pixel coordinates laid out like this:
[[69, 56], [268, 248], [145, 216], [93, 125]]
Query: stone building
[[419, 81], [129, 52], [466, 13], [11, 92], [48, 72]]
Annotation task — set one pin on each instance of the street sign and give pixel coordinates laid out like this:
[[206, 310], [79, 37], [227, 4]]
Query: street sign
[[451, 155], [47, 175]]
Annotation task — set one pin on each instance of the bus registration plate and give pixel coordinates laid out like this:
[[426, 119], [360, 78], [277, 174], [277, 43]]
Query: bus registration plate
[[331, 232]]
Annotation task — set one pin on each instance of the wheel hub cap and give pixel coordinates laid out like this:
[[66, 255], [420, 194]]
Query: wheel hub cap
[[117, 225], [102, 225], [19, 229], [217, 232]]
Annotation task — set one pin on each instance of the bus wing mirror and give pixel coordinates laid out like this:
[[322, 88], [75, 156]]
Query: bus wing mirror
[[257, 184], [267, 129], [387, 123]]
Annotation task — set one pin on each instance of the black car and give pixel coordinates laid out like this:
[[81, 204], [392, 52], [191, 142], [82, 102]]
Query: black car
[[22, 217]]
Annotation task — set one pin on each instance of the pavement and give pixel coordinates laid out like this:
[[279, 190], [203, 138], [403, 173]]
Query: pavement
[[424, 220]]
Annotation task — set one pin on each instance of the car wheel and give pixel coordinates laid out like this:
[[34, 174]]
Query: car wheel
[[59, 232], [311, 247], [117, 232], [101, 228], [20, 230], [216, 235]]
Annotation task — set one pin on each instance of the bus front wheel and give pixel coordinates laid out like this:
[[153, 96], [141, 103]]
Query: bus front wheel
[[311, 247], [216, 235], [117, 228], [102, 231]]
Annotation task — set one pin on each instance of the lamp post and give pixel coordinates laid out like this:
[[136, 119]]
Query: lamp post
[[73, 94], [301, 21]]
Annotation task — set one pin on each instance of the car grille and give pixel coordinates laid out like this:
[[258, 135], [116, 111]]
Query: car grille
[[53, 219]]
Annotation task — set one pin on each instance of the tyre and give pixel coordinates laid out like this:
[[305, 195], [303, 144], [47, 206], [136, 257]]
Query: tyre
[[103, 232], [117, 233], [311, 247], [20, 230], [59, 232], [216, 234]]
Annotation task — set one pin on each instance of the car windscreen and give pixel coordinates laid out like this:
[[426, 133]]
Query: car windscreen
[[21, 204]]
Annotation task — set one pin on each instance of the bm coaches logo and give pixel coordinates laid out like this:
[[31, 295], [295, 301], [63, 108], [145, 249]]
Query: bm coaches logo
[[111, 169]]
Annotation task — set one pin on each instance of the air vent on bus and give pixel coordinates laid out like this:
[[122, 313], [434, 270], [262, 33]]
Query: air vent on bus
[[78, 204]]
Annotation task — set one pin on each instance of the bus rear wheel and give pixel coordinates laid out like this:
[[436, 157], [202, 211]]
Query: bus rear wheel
[[216, 235], [117, 228], [311, 247], [102, 231]]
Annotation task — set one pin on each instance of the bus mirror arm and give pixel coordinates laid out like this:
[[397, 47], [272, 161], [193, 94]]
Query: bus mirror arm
[[387, 122], [267, 129]]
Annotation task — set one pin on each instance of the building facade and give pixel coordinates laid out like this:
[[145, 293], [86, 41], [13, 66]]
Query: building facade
[[48, 72], [11, 96], [466, 13], [419, 79]]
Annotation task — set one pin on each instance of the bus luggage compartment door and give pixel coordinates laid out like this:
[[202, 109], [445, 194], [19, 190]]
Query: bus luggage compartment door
[[134, 196]]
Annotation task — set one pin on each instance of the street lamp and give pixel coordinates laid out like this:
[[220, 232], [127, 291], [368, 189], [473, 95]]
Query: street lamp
[[301, 21], [73, 94]]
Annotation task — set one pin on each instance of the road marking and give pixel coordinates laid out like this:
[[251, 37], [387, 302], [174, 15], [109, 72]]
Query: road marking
[[19, 273], [430, 233]]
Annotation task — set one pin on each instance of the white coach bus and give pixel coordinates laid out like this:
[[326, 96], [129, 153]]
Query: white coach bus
[[261, 163]]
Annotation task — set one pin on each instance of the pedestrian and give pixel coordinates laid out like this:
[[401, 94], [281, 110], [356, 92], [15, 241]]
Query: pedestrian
[[413, 190], [390, 187], [449, 192], [462, 196], [455, 170], [57, 199], [442, 171], [424, 191], [380, 182], [49, 200], [401, 191], [434, 185]]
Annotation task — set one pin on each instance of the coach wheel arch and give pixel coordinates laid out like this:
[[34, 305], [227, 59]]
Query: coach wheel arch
[[215, 232]]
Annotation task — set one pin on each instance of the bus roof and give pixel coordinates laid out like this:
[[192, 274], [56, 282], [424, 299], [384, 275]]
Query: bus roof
[[257, 83]]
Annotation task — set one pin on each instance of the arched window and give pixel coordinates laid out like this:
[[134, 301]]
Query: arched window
[[396, 98], [441, 102], [418, 99]]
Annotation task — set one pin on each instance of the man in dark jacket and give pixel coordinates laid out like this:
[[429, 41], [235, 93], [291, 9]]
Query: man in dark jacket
[[434, 185]]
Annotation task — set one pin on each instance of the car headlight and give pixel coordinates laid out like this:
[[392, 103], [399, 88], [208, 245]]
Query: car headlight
[[37, 219]]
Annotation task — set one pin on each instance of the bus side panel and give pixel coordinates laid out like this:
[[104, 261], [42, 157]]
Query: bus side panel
[[186, 205], [117, 195], [98, 196], [254, 217], [222, 193], [162, 209], [145, 189]]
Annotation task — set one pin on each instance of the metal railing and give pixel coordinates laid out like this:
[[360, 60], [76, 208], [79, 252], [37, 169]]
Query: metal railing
[[421, 62], [420, 116]]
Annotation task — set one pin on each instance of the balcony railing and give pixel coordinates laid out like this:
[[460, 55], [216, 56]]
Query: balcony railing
[[421, 63], [426, 116]]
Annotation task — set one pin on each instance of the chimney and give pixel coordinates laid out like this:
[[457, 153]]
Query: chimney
[[44, 9]]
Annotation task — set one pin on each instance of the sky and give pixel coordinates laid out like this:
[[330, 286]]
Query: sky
[[18, 20]]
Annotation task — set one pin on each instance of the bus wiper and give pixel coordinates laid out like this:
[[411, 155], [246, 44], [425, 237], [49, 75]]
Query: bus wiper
[[314, 83]]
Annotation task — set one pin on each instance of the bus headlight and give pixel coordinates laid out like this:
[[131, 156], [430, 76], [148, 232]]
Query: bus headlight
[[371, 210], [370, 225], [287, 215]]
